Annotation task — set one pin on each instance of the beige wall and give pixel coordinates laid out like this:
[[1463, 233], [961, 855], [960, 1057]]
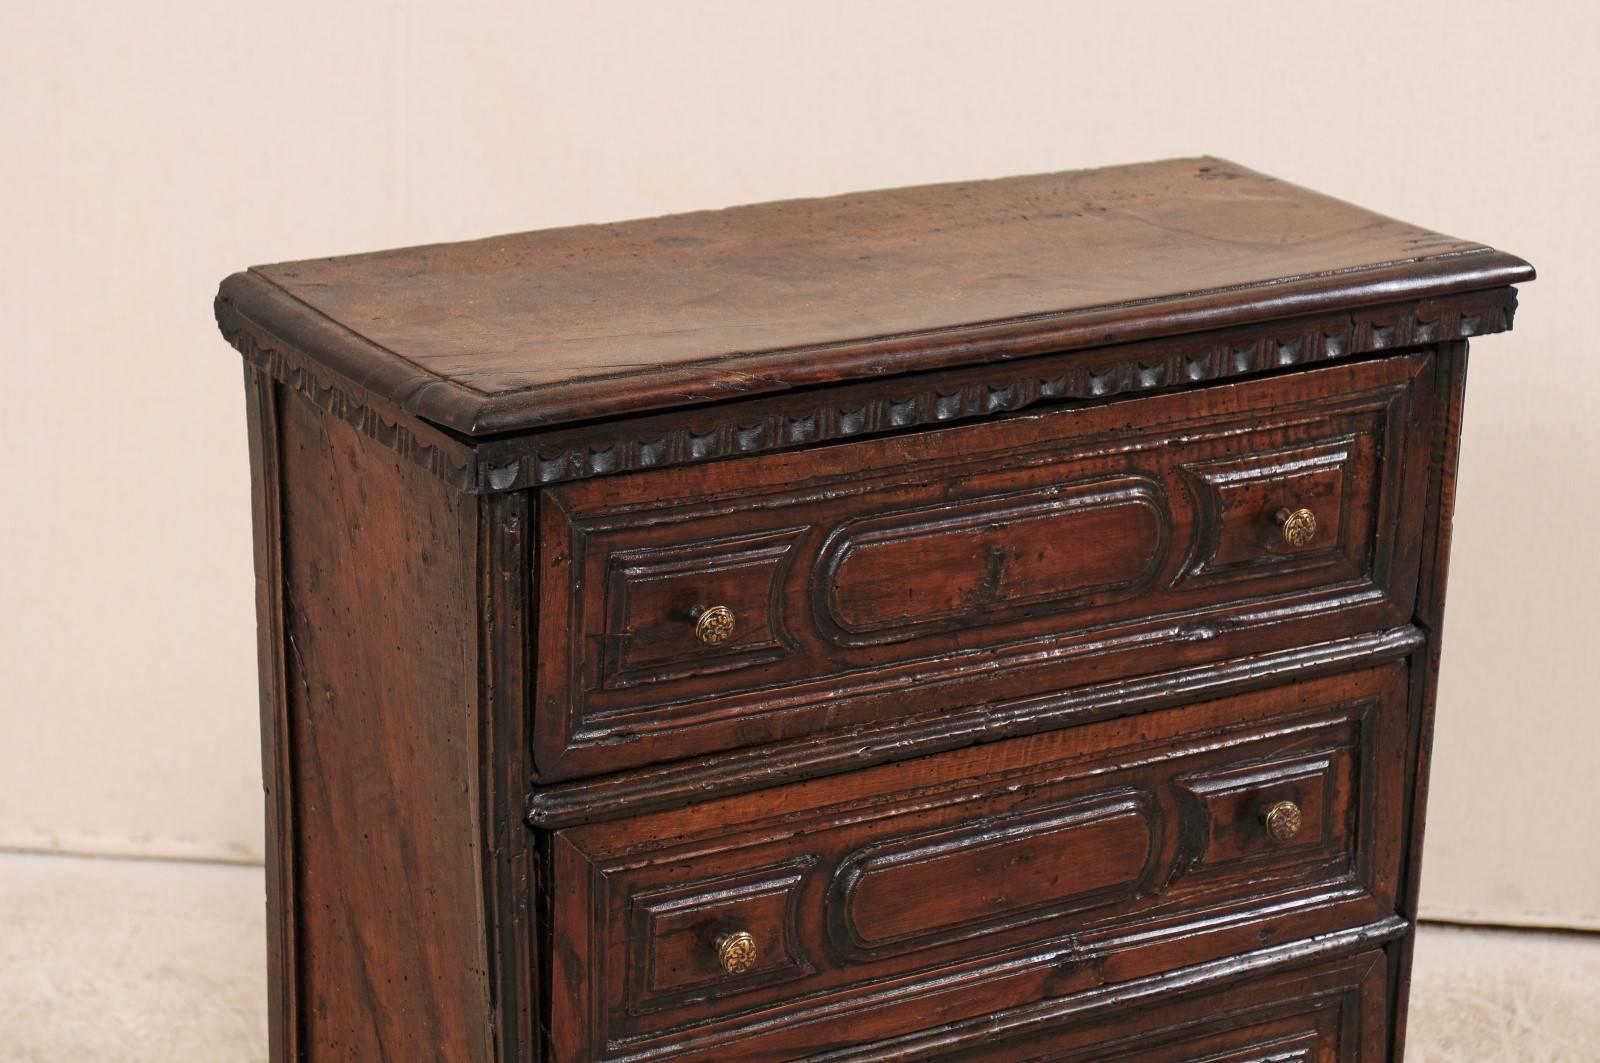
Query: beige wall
[[145, 151]]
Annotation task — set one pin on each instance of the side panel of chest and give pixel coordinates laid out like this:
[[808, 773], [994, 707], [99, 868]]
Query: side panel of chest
[[367, 571]]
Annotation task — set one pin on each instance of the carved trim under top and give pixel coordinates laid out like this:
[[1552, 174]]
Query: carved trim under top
[[415, 441], [859, 410], [862, 409]]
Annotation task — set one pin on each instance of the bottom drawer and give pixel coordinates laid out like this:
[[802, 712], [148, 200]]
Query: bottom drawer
[[1326, 1014], [869, 906]]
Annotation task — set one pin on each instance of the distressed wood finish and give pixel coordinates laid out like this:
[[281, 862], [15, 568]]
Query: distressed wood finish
[[1328, 1014], [382, 746], [920, 733], [1035, 737], [975, 563], [253, 316], [1036, 868], [509, 333]]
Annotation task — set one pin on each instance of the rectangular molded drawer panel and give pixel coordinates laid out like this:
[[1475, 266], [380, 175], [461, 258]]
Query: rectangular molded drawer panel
[[965, 883], [1332, 1013], [975, 563]]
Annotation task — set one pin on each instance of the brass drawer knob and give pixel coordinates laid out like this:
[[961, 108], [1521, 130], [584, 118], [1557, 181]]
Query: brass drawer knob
[[1283, 821], [713, 625], [736, 952], [1299, 526]]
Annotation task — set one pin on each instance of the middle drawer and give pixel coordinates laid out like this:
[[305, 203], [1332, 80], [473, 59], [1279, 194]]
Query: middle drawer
[[688, 610], [979, 880]]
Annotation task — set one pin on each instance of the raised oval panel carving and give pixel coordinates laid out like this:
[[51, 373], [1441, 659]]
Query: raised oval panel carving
[[994, 561], [982, 561], [1010, 869], [1038, 868]]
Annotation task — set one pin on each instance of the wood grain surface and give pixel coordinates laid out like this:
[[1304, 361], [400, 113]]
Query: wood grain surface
[[992, 481], [981, 563], [981, 880], [381, 683], [498, 335]]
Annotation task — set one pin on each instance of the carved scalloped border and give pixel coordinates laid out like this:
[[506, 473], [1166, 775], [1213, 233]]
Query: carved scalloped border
[[339, 400], [862, 409]]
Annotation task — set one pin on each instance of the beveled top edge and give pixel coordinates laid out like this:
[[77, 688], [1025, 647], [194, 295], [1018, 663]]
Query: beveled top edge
[[420, 300]]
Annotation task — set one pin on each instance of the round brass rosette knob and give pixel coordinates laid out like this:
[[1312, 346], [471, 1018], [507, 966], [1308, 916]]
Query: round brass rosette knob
[[1283, 821], [736, 952], [1299, 526], [713, 625]]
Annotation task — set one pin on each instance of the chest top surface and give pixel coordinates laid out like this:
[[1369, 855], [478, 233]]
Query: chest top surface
[[561, 325]]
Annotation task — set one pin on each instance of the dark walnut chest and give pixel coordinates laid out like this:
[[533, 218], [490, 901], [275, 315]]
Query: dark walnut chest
[[984, 621]]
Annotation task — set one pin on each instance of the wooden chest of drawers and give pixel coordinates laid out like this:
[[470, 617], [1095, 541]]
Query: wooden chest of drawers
[[990, 621]]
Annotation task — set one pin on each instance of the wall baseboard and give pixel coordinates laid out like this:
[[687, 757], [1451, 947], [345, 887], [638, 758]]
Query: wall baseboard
[[108, 848], [1475, 919]]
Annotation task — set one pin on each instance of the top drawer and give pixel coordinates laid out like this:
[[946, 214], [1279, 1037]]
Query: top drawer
[[693, 609]]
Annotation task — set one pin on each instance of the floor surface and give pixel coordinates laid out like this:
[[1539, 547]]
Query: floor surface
[[121, 960]]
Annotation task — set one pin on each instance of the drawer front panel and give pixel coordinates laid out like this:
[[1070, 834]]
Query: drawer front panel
[[968, 882], [975, 563], [1332, 1013]]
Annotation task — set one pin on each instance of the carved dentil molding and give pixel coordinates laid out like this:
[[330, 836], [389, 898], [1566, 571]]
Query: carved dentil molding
[[875, 407], [341, 401]]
